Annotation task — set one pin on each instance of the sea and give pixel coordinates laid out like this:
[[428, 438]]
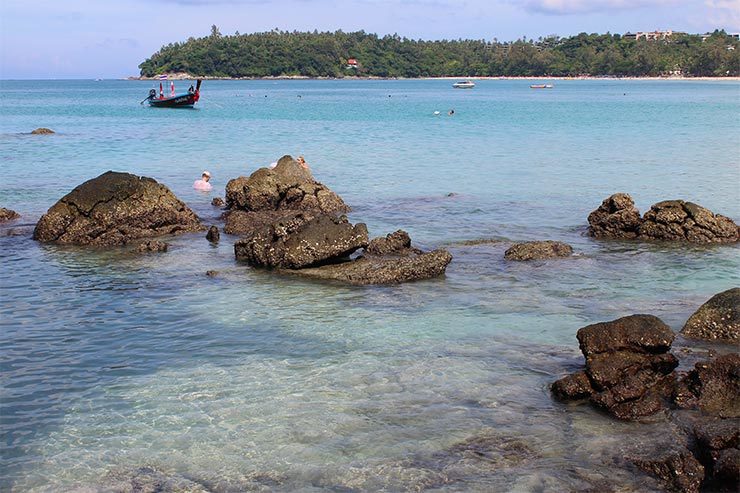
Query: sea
[[116, 364]]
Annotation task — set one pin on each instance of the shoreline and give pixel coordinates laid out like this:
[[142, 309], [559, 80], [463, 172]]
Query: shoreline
[[523, 78]]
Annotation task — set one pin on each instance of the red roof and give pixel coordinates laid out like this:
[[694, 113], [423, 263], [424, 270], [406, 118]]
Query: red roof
[[352, 61]]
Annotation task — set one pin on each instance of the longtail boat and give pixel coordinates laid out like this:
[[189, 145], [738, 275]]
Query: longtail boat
[[186, 100]]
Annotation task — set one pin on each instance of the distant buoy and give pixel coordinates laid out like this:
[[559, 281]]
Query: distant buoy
[[437, 113]]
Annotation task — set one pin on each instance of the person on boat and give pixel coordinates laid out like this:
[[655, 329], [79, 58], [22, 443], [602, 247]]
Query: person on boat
[[203, 184]]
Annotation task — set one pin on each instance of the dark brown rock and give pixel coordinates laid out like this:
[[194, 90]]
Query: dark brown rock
[[218, 202], [152, 246], [616, 217], [373, 269], [718, 434], [637, 333], [8, 215], [213, 234], [713, 386], [717, 319], [288, 187], [538, 250], [42, 131], [677, 467], [113, 209], [301, 240], [244, 223], [392, 243], [676, 220], [726, 471], [574, 386]]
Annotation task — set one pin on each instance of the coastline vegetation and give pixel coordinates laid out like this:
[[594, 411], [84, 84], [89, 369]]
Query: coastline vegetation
[[328, 54]]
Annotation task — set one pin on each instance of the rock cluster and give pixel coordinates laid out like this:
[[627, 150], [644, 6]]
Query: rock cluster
[[8, 215], [671, 220], [42, 131], [717, 319], [629, 371], [538, 250], [114, 209]]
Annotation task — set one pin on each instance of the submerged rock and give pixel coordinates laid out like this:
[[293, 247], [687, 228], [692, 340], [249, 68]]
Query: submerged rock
[[218, 202], [629, 371], [114, 209], [8, 215], [300, 240], [149, 480], [712, 386], [676, 220], [287, 187], [538, 250], [676, 466], [616, 217], [152, 246], [717, 319], [213, 234], [42, 131]]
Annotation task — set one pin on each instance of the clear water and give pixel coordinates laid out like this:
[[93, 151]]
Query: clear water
[[112, 360]]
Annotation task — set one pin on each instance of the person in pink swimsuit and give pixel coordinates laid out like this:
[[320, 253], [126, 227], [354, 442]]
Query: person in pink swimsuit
[[203, 184]]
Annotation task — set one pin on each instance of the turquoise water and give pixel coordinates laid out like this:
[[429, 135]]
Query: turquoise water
[[112, 360]]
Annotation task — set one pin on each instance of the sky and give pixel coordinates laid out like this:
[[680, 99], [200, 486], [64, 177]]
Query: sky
[[62, 39]]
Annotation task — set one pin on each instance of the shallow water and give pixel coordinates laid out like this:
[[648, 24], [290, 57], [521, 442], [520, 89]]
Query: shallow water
[[112, 360]]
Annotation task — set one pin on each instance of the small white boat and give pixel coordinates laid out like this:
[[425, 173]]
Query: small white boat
[[542, 86], [468, 84]]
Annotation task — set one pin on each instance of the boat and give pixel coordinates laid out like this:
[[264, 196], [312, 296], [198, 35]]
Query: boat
[[542, 86], [186, 100], [468, 84]]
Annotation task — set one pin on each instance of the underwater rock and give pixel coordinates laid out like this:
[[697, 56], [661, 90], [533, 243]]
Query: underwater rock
[[300, 240], [152, 246], [616, 217], [629, 371], [717, 319], [149, 480], [677, 220], [114, 209], [213, 234], [42, 131], [712, 386], [8, 215], [287, 187], [218, 202], [212, 273], [538, 250], [676, 466]]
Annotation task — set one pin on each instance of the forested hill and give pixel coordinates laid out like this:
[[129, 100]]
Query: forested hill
[[339, 54]]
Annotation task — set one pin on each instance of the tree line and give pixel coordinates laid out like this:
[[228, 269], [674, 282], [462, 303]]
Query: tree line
[[326, 54]]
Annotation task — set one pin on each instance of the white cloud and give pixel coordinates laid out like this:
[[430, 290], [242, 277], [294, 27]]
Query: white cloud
[[566, 7]]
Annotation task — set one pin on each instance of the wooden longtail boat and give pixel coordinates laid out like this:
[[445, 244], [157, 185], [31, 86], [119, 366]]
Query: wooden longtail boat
[[186, 100]]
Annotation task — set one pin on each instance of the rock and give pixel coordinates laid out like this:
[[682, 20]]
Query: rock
[[629, 372], [676, 220], [301, 240], [213, 235], [717, 442], [718, 434], [8, 215], [726, 471], [616, 217], [392, 243], [372, 269], [287, 187], [149, 480], [245, 223], [114, 209], [638, 333], [42, 131], [152, 246], [713, 386], [538, 250], [212, 273], [717, 319], [218, 202], [677, 467]]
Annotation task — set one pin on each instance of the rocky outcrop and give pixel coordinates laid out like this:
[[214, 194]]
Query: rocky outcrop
[[717, 319], [300, 240], [629, 371], [670, 220], [676, 466], [114, 209], [8, 215], [213, 234], [42, 131], [616, 217], [287, 187], [538, 250], [392, 243], [152, 246], [712, 386]]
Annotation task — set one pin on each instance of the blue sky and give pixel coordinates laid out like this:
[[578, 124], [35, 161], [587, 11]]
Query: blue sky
[[107, 38]]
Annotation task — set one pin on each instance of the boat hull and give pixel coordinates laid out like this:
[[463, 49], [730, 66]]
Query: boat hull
[[179, 101]]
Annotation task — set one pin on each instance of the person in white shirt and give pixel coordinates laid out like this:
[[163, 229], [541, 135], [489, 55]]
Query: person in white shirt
[[203, 184]]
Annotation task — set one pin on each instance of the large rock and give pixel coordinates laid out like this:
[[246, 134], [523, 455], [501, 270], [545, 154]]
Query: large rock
[[8, 215], [717, 443], [712, 386], [42, 131], [616, 217], [717, 319], [113, 209], [300, 240], [677, 467], [538, 250], [287, 187], [676, 220], [629, 372]]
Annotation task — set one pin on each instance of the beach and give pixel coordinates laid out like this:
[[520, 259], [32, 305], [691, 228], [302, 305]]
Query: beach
[[117, 363]]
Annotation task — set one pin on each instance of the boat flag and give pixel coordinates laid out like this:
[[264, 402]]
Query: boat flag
[[163, 77]]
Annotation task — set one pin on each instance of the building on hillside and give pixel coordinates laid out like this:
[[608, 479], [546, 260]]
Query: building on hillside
[[706, 36], [352, 63], [649, 35]]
